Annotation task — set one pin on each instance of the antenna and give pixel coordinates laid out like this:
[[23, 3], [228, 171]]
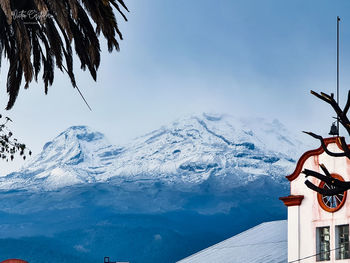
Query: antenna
[[338, 22], [335, 129]]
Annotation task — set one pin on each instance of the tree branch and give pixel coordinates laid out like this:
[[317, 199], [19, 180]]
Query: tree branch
[[347, 105], [324, 169], [341, 115], [328, 179], [336, 186], [324, 146], [322, 191]]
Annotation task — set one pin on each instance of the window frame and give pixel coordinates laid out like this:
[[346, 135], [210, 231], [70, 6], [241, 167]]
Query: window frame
[[337, 243], [320, 256]]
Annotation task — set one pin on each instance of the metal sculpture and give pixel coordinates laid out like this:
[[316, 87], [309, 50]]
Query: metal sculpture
[[335, 186]]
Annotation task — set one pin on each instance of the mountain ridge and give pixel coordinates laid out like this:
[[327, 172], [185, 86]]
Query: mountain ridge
[[186, 152], [160, 198]]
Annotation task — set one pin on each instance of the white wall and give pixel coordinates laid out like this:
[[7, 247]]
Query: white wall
[[304, 219]]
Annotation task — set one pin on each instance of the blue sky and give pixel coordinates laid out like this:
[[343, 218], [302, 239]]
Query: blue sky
[[242, 57]]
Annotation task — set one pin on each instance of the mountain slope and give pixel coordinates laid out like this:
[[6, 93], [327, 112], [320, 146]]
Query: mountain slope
[[186, 153], [160, 198]]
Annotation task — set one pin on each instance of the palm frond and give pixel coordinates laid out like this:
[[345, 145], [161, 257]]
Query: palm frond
[[42, 42], [6, 7], [14, 79]]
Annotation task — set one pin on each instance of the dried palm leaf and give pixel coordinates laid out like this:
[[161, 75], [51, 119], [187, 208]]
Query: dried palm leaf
[[41, 38]]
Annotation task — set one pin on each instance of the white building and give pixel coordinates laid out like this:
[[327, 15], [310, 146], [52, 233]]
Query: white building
[[318, 226]]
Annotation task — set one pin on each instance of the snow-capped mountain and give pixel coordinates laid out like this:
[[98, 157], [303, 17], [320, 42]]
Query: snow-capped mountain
[[190, 151], [160, 198]]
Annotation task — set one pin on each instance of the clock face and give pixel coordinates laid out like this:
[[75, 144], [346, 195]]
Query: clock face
[[331, 203]]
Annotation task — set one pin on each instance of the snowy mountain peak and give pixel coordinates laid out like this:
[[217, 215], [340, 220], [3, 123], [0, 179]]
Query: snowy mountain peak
[[190, 151], [81, 133], [70, 158], [213, 116], [72, 146], [75, 134]]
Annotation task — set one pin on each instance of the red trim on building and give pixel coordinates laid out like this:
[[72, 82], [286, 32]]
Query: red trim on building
[[292, 200], [14, 261], [309, 154]]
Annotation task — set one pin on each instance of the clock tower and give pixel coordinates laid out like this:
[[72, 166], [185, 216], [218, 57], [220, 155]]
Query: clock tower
[[318, 226]]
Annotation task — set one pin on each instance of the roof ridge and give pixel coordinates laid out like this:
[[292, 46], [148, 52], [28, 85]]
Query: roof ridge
[[239, 234]]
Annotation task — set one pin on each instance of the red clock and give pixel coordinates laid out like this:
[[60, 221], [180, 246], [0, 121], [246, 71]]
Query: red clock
[[331, 203]]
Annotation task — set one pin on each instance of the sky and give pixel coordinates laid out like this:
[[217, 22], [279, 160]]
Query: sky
[[255, 58]]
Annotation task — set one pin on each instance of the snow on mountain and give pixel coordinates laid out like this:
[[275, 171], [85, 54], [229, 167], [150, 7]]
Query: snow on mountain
[[159, 198], [189, 151], [266, 242], [192, 150], [69, 159]]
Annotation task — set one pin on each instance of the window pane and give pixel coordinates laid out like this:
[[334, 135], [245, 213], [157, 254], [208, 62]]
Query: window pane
[[323, 245], [342, 242]]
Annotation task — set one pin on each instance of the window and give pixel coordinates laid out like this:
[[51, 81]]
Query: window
[[342, 241], [322, 243]]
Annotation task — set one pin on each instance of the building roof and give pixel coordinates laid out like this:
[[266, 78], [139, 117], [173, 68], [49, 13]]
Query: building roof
[[266, 242], [14, 261]]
